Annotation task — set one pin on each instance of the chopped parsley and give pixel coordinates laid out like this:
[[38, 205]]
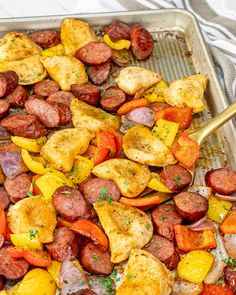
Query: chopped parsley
[[129, 276], [163, 218], [104, 194], [126, 182], [30, 194], [221, 281], [109, 199], [230, 261], [148, 226], [90, 282], [78, 74], [167, 209], [73, 170], [32, 233], [178, 179], [107, 282], [127, 221]]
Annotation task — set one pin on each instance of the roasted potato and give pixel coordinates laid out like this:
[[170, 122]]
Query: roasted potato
[[16, 46], [141, 146], [30, 70], [126, 227], [63, 146], [92, 118], [145, 275], [33, 212], [130, 177], [75, 34], [134, 79], [187, 92], [65, 70]]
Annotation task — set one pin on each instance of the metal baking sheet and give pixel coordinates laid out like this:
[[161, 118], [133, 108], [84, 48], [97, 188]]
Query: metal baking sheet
[[179, 51]]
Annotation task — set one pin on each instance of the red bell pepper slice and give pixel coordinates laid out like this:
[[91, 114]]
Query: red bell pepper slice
[[217, 289], [3, 223], [118, 142], [36, 190]]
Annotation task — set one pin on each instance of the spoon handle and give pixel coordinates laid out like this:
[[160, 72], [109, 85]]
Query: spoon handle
[[214, 124]]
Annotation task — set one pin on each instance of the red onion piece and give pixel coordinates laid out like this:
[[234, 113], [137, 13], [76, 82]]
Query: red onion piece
[[1, 241], [226, 198], [201, 224], [215, 272], [230, 244]]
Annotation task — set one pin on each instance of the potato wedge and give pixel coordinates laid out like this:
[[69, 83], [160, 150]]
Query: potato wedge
[[187, 92], [65, 70], [141, 146], [126, 227], [133, 79], [16, 46], [34, 213], [30, 70], [130, 177], [63, 146], [75, 34], [144, 274], [92, 118]]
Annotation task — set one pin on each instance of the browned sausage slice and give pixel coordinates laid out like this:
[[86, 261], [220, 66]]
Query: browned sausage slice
[[112, 99], [164, 218], [141, 42], [175, 177], [45, 87], [101, 189], [4, 107], [63, 111], [222, 180], [158, 106], [12, 268], [4, 198], [87, 92], [24, 125], [118, 30], [94, 53], [18, 97], [96, 259], [143, 116], [191, 206], [65, 245], [230, 276], [46, 38], [17, 187], [164, 251], [1, 283], [64, 97], [4, 134], [99, 74], [70, 203], [8, 82]]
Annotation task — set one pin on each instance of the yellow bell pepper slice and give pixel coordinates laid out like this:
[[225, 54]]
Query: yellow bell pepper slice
[[156, 92], [218, 209], [195, 265], [32, 165], [54, 270], [13, 290], [37, 282], [50, 181], [156, 184], [81, 169], [57, 50], [31, 145], [166, 131], [3, 292], [27, 241], [118, 45]]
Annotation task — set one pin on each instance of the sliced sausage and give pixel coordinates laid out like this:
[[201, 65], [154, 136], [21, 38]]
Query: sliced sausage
[[24, 125], [112, 99], [87, 92], [230, 276], [98, 286], [82, 184], [46, 87], [17, 187], [70, 203], [63, 111], [158, 106], [4, 134], [164, 251], [46, 38], [64, 97], [4, 198], [118, 30], [85, 292], [120, 57], [222, 180], [11, 161], [164, 218], [141, 42], [99, 74], [18, 97], [94, 53], [33, 96], [96, 259], [1, 283], [12, 268], [64, 246], [97, 188], [175, 177], [47, 113], [191, 206], [143, 116], [4, 107], [8, 82]]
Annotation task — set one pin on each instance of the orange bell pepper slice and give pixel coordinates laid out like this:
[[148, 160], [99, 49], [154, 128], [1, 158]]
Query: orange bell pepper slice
[[3, 223], [63, 223], [118, 142], [215, 289], [131, 105], [188, 240], [183, 116], [186, 151], [228, 226], [89, 229]]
